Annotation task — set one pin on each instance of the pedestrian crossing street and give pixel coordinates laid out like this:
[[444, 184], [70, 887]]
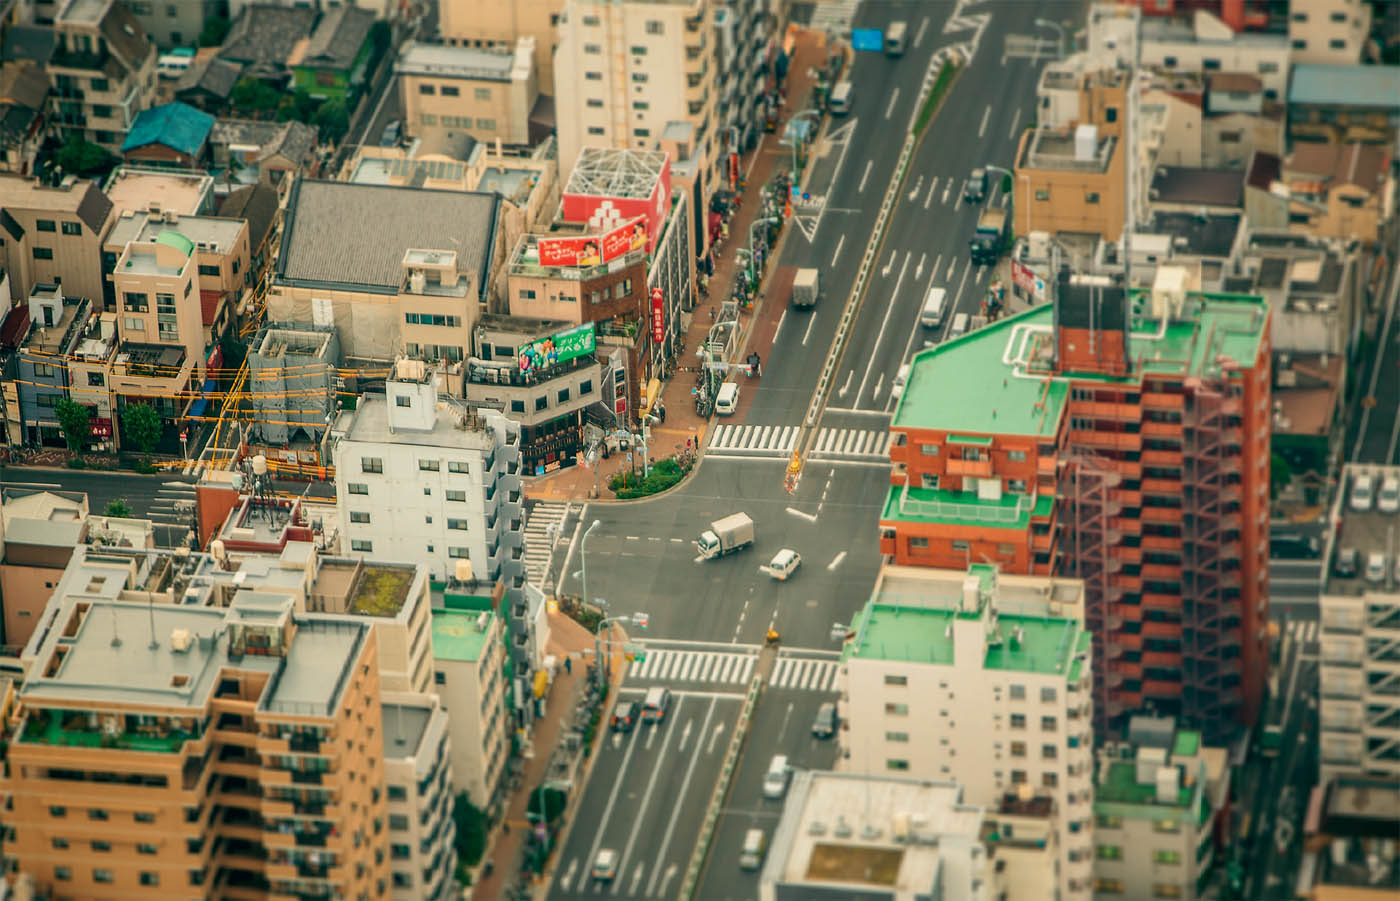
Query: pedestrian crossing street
[[733, 669], [539, 542], [1303, 630], [872, 445]]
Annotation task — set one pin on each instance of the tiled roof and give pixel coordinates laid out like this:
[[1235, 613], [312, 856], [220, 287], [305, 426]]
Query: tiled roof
[[1263, 170], [23, 84], [340, 233], [212, 75], [338, 38], [1195, 185], [265, 35], [209, 305], [256, 205], [1340, 164], [125, 37], [32, 42], [178, 126], [94, 208]]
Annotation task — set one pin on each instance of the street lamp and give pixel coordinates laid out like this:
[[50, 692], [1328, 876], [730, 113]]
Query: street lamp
[[1060, 35], [639, 619], [583, 556]]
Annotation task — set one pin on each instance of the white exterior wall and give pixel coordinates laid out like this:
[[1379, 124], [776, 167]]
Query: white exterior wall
[[431, 852], [473, 695], [1140, 868], [1328, 31], [1357, 670], [406, 647], [959, 726]]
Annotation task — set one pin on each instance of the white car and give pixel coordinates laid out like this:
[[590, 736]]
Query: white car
[[783, 564], [900, 377], [1388, 498], [1363, 492], [605, 865], [1375, 567]]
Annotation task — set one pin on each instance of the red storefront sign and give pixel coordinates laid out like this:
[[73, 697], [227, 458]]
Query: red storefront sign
[[100, 428], [1032, 284], [658, 316], [594, 250], [733, 170]]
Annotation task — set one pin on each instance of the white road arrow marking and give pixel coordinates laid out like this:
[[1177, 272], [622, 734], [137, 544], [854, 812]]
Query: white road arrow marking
[[919, 270], [719, 730], [685, 735], [865, 175], [933, 186], [914, 192], [847, 386], [636, 879], [836, 561], [952, 264], [890, 265], [568, 876], [878, 383], [671, 871]]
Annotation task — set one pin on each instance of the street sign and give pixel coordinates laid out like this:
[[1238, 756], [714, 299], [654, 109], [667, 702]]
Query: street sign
[[867, 39]]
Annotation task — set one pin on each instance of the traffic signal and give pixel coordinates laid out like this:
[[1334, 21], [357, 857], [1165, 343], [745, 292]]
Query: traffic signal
[[641, 620]]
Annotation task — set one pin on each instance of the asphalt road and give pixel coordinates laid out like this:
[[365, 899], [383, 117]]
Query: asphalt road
[[645, 799], [781, 724], [1375, 434]]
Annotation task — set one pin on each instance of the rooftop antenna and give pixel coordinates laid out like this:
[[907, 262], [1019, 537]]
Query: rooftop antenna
[[116, 639], [151, 613]]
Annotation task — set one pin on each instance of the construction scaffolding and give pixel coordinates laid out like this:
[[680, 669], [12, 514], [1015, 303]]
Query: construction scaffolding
[[1211, 612], [1090, 509]]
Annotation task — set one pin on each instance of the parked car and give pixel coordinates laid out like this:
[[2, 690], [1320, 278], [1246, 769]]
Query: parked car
[[1363, 491], [1347, 563], [1375, 567], [392, 133], [824, 726], [625, 715], [1388, 498]]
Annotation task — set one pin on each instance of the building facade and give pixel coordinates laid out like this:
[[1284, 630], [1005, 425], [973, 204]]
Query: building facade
[[418, 781], [103, 71], [54, 236], [471, 679], [1122, 443], [492, 25], [449, 91], [982, 679]]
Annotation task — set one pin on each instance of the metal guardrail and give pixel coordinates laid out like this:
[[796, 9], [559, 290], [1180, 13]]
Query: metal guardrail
[[726, 773]]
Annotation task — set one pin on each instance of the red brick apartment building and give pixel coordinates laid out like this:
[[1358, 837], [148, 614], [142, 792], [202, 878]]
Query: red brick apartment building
[[1124, 441]]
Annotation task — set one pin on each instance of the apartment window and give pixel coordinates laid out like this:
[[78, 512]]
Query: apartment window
[[1166, 856], [517, 406], [43, 253], [918, 541], [429, 521], [97, 813], [897, 736], [1018, 777], [1166, 890], [357, 488], [45, 225], [1109, 852], [563, 395], [1268, 68], [1109, 886], [1210, 65], [428, 118], [897, 764], [896, 680], [1047, 724], [100, 84], [1300, 17], [1018, 692], [593, 76], [1016, 456], [457, 524], [961, 546], [372, 464], [142, 816], [928, 450], [640, 106], [1018, 749], [72, 229], [427, 89], [542, 402], [458, 553], [641, 132], [427, 492], [57, 810], [1230, 137], [457, 466], [45, 371], [1169, 62], [449, 90], [591, 21], [209, 270], [527, 294], [360, 544], [101, 846], [60, 843], [639, 77], [486, 124], [429, 465], [1042, 194], [1049, 752], [1169, 826], [1018, 721], [359, 516], [1335, 44], [1091, 196], [594, 102], [1049, 779], [655, 26], [592, 48], [457, 496], [149, 878], [1048, 694], [100, 874], [1300, 45], [483, 93], [585, 387], [145, 848], [63, 874], [1108, 822], [135, 302]]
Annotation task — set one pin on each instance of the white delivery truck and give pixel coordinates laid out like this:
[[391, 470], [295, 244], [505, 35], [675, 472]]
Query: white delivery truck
[[806, 288], [725, 536]]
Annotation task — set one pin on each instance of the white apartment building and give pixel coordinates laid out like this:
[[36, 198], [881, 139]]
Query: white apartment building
[[470, 678], [625, 69], [1359, 676], [421, 478], [1328, 31], [981, 678], [418, 779], [844, 835], [1156, 798]]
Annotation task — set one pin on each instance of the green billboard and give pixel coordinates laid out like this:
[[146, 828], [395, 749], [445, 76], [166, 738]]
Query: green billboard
[[561, 347]]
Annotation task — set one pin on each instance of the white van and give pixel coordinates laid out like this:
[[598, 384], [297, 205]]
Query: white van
[[727, 401], [775, 781], [755, 845], [960, 323], [840, 100], [934, 304], [894, 38]]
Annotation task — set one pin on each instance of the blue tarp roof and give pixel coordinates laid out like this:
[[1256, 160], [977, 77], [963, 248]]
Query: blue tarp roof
[[178, 126], [1322, 83], [199, 406]]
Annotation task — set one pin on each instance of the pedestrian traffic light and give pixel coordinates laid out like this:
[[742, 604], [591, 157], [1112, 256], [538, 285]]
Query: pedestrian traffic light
[[641, 620]]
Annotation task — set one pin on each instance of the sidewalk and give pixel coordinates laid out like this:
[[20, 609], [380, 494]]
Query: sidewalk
[[506, 849], [682, 422]]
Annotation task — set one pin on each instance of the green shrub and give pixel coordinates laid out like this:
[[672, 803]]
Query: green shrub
[[662, 475], [76, 463]]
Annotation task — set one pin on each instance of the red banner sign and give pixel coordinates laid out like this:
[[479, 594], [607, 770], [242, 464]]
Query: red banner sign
[[658, 316], [100, 428], [733, 171], [1032, 284], [594, 250]]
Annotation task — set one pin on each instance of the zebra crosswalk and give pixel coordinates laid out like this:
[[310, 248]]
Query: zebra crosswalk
[[1303, 630], [872, 445], [541, 527], [805, 673], [667, 665], [835, 16]]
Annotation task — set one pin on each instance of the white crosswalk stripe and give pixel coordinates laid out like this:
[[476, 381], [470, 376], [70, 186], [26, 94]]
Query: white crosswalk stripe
[[669, 665], [805, 674], [538, 546], [835, 16], [754, 440], [1304, 630], [855, 444]]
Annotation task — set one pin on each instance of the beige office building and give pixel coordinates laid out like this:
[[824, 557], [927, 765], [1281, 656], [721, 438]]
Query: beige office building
[[492, 24], [53, 236], [1328, 31], [448, 92], [103, 71], [625, 70], [160, 333]]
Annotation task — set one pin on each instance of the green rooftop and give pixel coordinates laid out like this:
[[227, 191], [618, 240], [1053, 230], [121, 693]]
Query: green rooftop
[[935, 505], [920, 635], [1120, 786], [456, 637], [966, 385], [1188, 742]]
